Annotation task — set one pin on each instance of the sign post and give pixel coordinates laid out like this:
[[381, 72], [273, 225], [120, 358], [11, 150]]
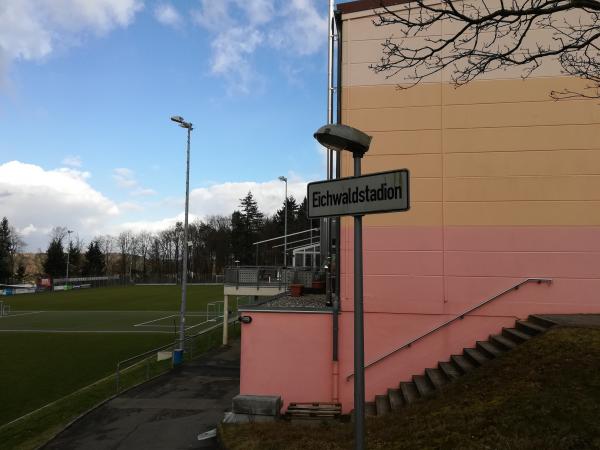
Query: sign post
[[356, 196]]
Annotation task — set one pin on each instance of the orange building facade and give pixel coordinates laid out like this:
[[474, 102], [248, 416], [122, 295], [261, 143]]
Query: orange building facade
[[505, 186]]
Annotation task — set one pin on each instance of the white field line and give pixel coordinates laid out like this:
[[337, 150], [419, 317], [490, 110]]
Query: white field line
[[141, 324], [150, 322], [202, 323], [22, 314]]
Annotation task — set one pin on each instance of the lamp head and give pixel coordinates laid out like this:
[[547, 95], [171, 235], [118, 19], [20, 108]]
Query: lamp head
[[343, 137], [282, 178], [177, 119]]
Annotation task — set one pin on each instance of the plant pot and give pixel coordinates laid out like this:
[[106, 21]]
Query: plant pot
[[296, 290], [319, 285]]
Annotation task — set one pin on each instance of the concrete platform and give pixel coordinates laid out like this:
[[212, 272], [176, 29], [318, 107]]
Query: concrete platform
[[166, 413]]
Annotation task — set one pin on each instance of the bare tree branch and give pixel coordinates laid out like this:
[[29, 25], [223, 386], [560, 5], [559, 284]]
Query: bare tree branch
[[472, 37]]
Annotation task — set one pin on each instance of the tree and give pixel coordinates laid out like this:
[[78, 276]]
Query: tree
[[56, 259], [94, 260], [75, 258], [5, 251], [488, 36], [245, 227]]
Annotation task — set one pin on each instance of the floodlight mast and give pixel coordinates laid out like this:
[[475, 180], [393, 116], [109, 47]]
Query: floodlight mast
[[68, 257], [284, 179], [182, 123], [342, 137]]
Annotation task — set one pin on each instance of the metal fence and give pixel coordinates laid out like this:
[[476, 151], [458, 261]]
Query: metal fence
[[159, 360], [271, 276]]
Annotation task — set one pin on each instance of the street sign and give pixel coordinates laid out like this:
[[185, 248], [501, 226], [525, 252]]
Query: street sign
[[368, 194]]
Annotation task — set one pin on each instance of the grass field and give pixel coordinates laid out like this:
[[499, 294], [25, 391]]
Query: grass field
[[55, 343]]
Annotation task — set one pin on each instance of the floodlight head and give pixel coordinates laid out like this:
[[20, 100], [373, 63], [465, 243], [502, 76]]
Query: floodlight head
[[182, 123], [343, 137], [282, 178]]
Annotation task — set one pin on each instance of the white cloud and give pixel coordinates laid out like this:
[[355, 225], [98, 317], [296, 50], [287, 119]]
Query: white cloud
[[31, 30], [166, 14], [124, 177], [143, 192], [241, 27], [224, 198], [303, 30], [73, 161], [35, 200], [230, 57]]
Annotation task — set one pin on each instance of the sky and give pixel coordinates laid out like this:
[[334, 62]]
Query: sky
[[87, 88]]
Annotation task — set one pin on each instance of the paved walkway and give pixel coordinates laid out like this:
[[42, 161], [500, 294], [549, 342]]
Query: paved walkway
[[166, 413]]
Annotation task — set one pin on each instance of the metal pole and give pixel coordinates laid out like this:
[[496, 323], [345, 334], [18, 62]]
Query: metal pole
[[285, 229], [359, 342], [185, 245], [68, 257]]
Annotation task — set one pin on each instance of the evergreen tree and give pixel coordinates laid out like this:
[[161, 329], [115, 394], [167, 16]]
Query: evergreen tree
[[245, 228], [56, 259], [94, 260], [74, 259], [5, 251]]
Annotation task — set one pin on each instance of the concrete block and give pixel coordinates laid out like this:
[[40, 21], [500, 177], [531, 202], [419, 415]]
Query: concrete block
[[231, 417], [263, 405]]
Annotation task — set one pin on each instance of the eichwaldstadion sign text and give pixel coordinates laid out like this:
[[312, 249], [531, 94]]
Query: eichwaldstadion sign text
[[367, 194]]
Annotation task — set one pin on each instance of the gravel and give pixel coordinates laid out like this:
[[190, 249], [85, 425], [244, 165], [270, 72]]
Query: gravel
[[305, 301]]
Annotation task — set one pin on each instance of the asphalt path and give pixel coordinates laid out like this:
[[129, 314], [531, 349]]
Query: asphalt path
[[168, 412]]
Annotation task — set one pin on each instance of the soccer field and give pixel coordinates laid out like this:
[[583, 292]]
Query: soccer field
[[52, 344]]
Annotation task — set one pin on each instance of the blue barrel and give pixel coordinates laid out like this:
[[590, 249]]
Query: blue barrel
[[177, 357]]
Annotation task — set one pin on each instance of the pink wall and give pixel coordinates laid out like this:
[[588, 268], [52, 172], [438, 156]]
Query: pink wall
[[418, 277], [287, 354]]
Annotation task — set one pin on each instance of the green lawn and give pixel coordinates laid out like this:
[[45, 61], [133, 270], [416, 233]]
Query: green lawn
[[134, 298], [543, 395], [38, 368], [88, 339]]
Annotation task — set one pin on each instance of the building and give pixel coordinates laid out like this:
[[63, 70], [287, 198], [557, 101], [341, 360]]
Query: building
[[505, 186]]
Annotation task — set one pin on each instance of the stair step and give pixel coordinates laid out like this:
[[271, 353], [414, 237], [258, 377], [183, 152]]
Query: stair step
[[542, 321], [515, 335], [463, 363], [502, 342], [450, 370], [475, 356], [382, 405], [409, 392], [489, 349], [423, 385], [370, 409], [395, 399], [529, 327], [436, 378]]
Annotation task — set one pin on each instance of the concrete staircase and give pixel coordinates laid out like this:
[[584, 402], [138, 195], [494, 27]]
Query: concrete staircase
[[435, 379]]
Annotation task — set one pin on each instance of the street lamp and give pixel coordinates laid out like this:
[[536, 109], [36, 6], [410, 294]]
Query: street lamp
[[342, 137], [68, 257], [178, 356], [284, 179]]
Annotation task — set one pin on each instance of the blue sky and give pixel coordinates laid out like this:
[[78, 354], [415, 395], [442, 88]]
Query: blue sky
[[87, 89]]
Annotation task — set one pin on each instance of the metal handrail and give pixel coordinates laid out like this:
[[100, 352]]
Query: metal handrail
[[461, 316]]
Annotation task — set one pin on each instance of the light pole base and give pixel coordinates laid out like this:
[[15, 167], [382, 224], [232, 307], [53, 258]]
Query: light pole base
[[177, 357]]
